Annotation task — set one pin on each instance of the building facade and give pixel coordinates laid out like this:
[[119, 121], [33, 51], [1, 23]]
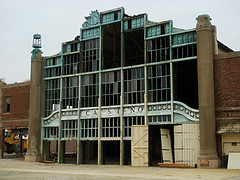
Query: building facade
[[14, 106], [129, 91]]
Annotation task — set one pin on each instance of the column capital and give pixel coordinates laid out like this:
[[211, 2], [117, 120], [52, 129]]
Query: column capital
[[204, 23]]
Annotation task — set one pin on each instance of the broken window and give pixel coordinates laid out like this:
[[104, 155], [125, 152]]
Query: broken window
[[159, 83], [89, 128], [90, 55], [134, 86], [71, 64], [52, 95], [185, 83], [70, 92], [50, 132], [184, 51], [111, 88], [69, 129], [158, 49], [129, 121], [90, 90], [111, 45], [111, 127], [134, 47]]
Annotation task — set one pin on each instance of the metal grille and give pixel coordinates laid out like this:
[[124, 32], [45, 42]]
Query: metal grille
[[90, 55], [89, 128], [70, 92], [52, 96], [69, 129], [129, 121], [111, 127], [90, 90], [158, 49], [111, 88], [134, 85], [159, 83], [50, 132], [159, 119]]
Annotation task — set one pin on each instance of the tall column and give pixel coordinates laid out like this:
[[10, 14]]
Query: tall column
[[34, 127], [205, 51]]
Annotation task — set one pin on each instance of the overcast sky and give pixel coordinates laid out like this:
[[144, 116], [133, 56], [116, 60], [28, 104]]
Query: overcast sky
[[60, 21]]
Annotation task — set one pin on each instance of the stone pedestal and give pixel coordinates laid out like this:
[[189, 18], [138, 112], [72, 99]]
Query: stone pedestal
[[32, 158], [205, 52]]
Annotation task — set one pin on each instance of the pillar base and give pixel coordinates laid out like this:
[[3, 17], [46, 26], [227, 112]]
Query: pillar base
[[32, 158], [1, 154], [209, 163]]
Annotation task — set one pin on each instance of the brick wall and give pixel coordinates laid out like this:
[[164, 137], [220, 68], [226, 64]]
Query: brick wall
[[227, 81], [19, 105]]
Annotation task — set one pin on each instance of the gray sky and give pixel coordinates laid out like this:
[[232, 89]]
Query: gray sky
[[60, 21]]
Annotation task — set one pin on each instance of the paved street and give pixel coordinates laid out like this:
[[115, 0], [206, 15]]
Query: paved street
[[18, 169]]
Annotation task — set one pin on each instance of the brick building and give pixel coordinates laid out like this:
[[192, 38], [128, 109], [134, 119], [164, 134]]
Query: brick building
[[14, 109], [132, 91], [227, 100]]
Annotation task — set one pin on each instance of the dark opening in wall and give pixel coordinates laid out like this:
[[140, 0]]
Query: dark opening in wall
[[7, 105], [134, 47], [111, 152], [111, 45], [185, 81]]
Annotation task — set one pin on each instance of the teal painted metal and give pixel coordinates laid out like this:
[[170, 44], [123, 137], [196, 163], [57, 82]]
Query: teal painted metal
[[90, 33], [134, 22], [153, 77], [36, 41], [92, 20]]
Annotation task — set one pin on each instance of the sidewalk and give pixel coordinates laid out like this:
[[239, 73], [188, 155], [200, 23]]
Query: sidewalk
[[18, 169]]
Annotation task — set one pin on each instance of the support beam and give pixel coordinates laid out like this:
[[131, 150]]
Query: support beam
[[205, 51], [34, 131], [121, 132], [99, 133]]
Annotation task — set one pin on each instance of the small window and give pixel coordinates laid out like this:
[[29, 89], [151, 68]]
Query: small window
[[234, 144], [7, 105]]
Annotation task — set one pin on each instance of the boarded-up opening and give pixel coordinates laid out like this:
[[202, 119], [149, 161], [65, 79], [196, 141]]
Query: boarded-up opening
[[139, 145], [186, 143]]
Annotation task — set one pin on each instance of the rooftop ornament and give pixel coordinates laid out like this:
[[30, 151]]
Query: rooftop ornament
[[92, 20], [36, 44]]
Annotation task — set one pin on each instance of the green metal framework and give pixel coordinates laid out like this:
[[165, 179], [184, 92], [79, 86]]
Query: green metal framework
[[84, 97]]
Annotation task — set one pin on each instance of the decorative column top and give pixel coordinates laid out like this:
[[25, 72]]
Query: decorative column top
[[36, 44], [204, 23]]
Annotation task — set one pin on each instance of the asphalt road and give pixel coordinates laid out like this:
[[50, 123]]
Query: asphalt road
[[18, 169]]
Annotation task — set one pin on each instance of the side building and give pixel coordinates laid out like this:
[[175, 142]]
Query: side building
[[14, 106], [132, 91]]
